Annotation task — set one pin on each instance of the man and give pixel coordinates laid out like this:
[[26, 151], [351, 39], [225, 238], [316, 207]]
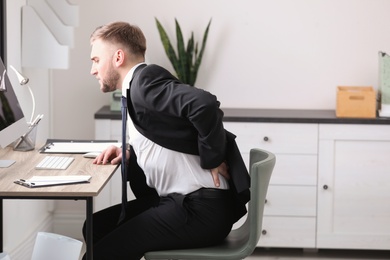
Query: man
[[178, 160]]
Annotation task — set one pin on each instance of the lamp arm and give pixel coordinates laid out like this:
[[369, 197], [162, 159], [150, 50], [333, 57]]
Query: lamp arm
[[33, 104]]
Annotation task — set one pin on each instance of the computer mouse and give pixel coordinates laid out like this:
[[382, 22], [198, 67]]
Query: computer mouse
[[91, 155]]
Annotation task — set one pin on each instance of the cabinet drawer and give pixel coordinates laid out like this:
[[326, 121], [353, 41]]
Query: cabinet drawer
[[276, 137], [116, 129], [354, 132], [106, 129], [295, 170], [291, 201], [292, 169], [288, 232]]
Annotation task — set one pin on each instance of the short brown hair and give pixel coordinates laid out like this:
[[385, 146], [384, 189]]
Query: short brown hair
[[122, 33]]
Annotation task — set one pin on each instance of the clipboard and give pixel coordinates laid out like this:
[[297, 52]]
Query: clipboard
[[44, 181], [67, 146]]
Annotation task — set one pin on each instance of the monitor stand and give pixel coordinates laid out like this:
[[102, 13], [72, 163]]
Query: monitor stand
[[6, 163]]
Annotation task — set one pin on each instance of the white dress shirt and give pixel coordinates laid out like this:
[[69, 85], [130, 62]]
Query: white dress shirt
[[166, 170]]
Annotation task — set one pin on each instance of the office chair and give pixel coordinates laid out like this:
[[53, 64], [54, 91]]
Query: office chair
[[241, 242]]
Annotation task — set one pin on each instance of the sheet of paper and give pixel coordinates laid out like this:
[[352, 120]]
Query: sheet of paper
[[78, 147], [60, 178]]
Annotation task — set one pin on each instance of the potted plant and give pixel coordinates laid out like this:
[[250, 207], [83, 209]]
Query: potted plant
[[187, 60]]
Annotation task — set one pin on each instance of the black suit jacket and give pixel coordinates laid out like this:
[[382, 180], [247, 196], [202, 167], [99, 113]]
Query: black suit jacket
[[186, 119]]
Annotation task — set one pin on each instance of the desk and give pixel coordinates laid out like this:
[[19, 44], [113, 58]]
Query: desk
[[24, 169]]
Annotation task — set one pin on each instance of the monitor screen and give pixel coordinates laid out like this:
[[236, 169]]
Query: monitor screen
[[12, 122]]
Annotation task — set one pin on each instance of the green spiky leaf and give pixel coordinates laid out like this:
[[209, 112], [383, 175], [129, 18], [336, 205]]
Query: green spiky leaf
[[187, 61]]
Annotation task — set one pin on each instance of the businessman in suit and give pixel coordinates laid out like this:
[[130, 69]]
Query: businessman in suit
[[184, 168]]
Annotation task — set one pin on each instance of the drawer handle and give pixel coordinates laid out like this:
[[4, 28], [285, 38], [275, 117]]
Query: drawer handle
[[325, 187], [265, 202], [265, 138], [264, 232]]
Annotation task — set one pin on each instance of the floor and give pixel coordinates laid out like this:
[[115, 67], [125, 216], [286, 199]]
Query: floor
[[295, 254]]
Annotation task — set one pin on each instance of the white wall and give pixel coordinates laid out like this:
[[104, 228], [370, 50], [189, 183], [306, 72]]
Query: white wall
[[260, 54]]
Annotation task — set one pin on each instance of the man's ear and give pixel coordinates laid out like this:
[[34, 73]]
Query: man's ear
[[119, 57]]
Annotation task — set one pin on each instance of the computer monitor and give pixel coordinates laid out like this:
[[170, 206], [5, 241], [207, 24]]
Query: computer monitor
[[12, 122]]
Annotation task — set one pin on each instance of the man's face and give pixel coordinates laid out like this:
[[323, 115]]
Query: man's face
[[102, 56]]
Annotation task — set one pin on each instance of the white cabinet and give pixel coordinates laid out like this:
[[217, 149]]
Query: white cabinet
[[290, 209], [354, 187], [348, 208], [330, 187]]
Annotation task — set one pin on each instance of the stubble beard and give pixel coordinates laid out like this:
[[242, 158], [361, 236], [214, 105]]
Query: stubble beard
[[109, 84]]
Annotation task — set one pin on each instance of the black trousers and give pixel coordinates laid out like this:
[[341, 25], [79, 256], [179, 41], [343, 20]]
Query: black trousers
[[160, 223]]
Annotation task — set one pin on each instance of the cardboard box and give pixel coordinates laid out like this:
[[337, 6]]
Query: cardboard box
[[357, 102]]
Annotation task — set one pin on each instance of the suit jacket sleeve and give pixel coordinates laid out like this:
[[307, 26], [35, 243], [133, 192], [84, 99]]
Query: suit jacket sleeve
[[160, 92]]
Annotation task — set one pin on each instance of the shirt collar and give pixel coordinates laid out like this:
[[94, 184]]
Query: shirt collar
[[128, 78]]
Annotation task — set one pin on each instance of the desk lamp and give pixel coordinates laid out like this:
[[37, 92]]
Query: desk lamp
[[27, 141]]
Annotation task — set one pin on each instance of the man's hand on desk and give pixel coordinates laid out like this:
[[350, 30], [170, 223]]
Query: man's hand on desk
[[111, 155]]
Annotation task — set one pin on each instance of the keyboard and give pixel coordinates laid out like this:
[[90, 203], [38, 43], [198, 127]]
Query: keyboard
[[54, 163]]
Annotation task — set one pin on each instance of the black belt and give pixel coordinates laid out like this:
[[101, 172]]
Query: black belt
[[209, 193]]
